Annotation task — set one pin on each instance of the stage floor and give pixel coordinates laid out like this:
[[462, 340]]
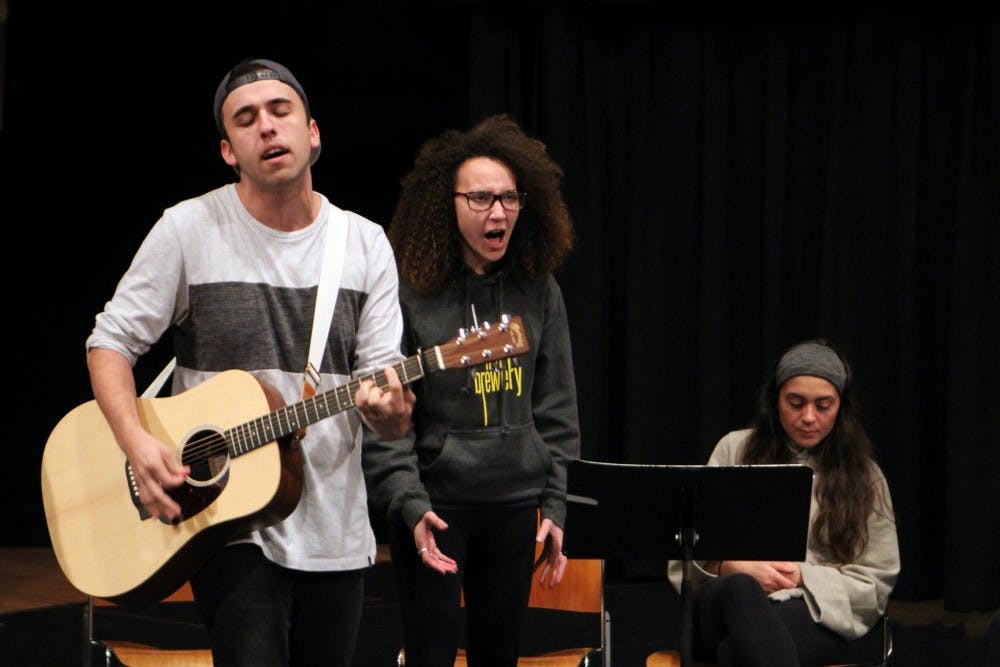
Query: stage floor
[[41, 620], [30, 578]]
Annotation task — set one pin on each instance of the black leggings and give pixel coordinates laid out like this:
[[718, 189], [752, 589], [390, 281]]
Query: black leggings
[[736, 625], [494, 548]]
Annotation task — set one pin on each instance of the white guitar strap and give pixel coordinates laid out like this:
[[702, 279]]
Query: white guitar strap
[[326, 298], [154, 387]]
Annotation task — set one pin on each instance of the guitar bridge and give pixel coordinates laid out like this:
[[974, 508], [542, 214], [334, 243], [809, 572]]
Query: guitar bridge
[[134, 492]]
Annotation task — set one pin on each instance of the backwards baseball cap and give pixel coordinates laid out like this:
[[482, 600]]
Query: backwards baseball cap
[[249, 71]]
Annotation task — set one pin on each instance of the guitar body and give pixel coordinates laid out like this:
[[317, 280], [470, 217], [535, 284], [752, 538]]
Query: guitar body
[[105, 542]]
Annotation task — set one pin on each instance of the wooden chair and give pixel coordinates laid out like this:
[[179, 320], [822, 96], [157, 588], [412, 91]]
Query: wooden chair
[[872, 650], [134, 654], [581, 590]]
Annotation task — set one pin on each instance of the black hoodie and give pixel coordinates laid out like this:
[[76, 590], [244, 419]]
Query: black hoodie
[[497, 434]]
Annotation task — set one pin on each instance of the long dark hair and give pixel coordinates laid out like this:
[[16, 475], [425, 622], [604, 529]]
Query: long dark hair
[[845, 474], [424, 228]]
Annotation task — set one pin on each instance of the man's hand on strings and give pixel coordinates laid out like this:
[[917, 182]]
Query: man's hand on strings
[[156, 469]]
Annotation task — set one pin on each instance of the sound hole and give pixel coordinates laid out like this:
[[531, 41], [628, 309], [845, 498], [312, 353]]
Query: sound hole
[[207, 454]]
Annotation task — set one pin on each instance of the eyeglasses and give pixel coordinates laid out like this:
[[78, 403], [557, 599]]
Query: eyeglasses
[[512, 200]]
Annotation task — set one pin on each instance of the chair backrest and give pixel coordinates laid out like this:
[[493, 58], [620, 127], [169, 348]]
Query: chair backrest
[[581, 591], [582, 588]]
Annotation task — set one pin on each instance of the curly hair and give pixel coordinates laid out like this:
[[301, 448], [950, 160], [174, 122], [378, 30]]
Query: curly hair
[[424, 228], [845, 484]]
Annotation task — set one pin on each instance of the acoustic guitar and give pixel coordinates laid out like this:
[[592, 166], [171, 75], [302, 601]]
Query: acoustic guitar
[[245, 470]]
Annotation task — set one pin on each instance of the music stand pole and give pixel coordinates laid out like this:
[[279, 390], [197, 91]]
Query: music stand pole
[[686, 539]]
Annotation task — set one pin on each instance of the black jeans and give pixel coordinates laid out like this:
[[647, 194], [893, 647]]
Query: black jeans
[[258, 613], [494, 548], [735, 624]]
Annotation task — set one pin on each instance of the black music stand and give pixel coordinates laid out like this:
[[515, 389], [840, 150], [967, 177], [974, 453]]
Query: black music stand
[[627, 511]]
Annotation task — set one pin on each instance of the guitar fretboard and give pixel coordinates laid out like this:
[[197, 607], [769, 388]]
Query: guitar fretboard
[[256, 433]]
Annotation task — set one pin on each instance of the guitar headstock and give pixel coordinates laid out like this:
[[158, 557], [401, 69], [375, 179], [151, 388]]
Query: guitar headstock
[[489, 342]]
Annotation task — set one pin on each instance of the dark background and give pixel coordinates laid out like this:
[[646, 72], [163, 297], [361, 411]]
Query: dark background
[[742, 176]]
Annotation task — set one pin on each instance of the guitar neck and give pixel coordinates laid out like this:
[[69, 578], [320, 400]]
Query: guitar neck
[[471, 347], [250, 435]]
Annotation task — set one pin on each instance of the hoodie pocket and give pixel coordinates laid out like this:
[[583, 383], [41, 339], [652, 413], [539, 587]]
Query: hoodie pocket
[[494, 466]]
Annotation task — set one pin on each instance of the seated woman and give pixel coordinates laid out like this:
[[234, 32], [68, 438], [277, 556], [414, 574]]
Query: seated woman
[[779, 613]]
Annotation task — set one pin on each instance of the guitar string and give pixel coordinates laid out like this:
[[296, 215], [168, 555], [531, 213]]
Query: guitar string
[[262, 429], [203, 449]]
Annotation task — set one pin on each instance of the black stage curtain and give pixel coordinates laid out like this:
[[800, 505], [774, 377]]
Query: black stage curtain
[[742, 180]]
